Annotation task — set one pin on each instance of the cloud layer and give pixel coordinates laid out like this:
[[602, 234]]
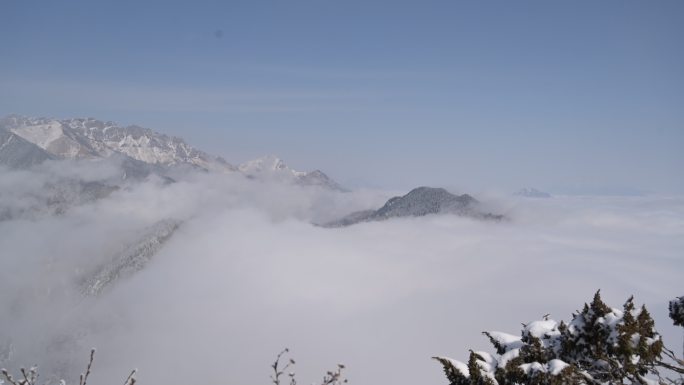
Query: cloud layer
[[246, 274]]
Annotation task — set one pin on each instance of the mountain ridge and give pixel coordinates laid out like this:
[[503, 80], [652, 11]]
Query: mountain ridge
[[420, 201], [148, 150], [77, 138], [17, 152]]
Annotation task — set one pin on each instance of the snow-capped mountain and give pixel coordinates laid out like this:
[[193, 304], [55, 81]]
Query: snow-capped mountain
[[419, 202], [16, 152], [92, 138], [272, 167], [27, 141], [269, 164]]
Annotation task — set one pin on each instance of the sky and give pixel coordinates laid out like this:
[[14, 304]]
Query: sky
[[578, 97]]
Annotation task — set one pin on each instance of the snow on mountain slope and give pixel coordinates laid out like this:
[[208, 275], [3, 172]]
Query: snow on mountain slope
[[92, 138], [88, 138], [16, 152], [272, 167], [144, 144], [50, 135], [41, 133], [131, 259], [268, 164]]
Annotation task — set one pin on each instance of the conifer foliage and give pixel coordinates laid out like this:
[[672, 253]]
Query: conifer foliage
[[600, 345], [677, 311]]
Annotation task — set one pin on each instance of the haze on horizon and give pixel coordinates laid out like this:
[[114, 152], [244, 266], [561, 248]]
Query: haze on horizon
[[582, 97]]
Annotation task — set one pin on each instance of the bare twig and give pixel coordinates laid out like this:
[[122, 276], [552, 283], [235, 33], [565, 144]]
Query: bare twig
[[275, 377], [84, 377], [30, 376], [334, 377], [331, 377], [131, 379]]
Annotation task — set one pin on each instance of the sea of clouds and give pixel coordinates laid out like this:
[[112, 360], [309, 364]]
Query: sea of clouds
[[247, 274]]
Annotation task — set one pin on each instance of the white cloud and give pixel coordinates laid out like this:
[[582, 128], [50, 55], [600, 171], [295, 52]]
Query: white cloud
[[247, 274]]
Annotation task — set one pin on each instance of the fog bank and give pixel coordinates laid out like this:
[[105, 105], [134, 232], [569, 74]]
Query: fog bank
[[246, 274]]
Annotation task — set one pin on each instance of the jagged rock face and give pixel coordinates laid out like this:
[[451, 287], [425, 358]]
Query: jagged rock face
[[419, 202], [143, 151], [18, 153], [424, 201], [91, 138]]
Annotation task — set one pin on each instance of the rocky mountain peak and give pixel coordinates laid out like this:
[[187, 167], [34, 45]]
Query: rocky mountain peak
[[420, 201], [37, 139]]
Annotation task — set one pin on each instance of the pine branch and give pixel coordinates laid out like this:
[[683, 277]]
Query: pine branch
[[8, 376], [677, 369]]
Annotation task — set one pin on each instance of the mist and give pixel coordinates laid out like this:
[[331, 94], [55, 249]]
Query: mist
[[248, 273]]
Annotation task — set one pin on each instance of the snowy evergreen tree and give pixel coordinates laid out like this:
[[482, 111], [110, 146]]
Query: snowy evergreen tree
[[677, 313], [600, 345]]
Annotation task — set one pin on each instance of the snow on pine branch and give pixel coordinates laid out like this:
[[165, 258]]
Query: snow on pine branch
[[600, 345]]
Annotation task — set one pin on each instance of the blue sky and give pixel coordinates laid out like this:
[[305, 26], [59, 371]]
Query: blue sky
[[570, 97]]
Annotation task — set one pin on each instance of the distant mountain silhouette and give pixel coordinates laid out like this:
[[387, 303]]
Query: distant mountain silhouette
[[419, 202]]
